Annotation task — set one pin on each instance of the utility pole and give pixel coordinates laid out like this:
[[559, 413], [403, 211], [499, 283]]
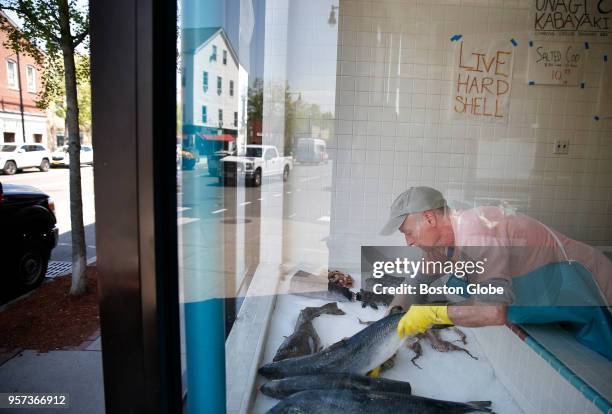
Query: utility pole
[[20, 97]]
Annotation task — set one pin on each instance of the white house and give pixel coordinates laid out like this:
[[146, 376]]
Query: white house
[[214, 85]]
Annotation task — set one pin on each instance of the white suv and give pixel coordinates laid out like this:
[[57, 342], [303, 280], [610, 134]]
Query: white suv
[[14, 157]]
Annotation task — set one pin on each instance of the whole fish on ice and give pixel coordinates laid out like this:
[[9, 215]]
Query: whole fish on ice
[[360, 402], [282, 388], [359, 354]]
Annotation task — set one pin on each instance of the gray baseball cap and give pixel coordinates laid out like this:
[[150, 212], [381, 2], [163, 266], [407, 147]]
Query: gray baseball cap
[[413, 200]]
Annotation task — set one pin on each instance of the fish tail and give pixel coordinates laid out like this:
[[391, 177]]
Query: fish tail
[[482, 406]]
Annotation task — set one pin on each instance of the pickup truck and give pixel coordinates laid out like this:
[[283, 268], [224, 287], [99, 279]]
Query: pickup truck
[[259, 161]]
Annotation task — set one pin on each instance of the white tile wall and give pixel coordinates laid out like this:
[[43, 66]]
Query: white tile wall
[[392, 129], [532, 382]]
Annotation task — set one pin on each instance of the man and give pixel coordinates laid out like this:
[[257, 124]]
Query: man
[[512, 244]]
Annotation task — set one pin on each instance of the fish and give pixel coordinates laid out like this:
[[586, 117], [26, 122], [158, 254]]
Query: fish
[[305, 340], [282, 388], [359, 354], [359, 402]]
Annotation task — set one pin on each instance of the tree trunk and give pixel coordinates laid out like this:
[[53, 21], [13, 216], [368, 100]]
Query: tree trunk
[[79, 254]]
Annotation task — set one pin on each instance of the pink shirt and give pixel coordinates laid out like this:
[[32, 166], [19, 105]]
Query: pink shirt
[[515, 244]]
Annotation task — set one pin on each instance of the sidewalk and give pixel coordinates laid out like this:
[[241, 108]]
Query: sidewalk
[[49, 318], [76, 372]]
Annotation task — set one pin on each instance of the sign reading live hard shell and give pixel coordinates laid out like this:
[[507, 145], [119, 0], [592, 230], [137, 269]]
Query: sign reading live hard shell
[[482, 78], [556, 63], [589, 19]]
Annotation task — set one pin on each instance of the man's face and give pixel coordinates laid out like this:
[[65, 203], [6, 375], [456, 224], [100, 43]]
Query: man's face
[[421, 229]]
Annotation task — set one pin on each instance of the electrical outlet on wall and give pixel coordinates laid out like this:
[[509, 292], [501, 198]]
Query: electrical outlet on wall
[[561, 146]]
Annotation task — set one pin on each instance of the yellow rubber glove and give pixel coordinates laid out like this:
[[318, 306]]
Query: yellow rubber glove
[[419, 318]]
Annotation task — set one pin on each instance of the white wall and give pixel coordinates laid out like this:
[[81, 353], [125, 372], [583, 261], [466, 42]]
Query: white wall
[[210, 98], [382, 146], [11, 122]]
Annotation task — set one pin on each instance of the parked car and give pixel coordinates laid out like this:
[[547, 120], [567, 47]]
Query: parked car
[[311, 151], [259, 161], [14, 157], [60, 157], [29, 233]]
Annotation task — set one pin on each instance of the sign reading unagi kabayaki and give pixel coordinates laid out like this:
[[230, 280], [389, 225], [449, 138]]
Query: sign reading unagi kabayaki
[[482, 80]]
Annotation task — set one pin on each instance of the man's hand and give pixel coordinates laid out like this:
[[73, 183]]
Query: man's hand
[[420, 317]]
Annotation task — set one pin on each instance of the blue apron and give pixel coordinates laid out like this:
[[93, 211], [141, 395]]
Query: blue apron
[[564, 293]]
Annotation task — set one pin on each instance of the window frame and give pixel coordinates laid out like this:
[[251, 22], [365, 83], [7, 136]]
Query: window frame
[[204, 114], [219, 85], [220, 117], [31, 68], [10, 62], [231, 88], [205, 80], [224, 57]]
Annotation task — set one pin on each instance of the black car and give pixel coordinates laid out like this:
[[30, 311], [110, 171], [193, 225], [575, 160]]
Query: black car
[[28, 233]]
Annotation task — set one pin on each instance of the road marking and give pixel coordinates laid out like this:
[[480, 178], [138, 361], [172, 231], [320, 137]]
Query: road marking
[[183, 208], [186, 220], [246, 203], [277, 195], [219, 211], [323, 218], [309, 178]]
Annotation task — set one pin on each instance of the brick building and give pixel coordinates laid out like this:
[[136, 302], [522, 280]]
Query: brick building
[[20, 82]]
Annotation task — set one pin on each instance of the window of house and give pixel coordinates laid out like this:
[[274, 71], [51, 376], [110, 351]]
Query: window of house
[[9, 137], [225, 57], [235, 119], [204, 115], [11, 73], [37, 138], [60, 140], [213, 56], [219, 85], [220, 117], [205, 80], [231, 88], [31, 75]]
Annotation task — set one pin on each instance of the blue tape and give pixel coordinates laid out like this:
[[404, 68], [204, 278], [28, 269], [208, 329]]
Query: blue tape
[[514, 42], [581, 85], [586, 45], [531, 82], [456, 37], [530, 43]]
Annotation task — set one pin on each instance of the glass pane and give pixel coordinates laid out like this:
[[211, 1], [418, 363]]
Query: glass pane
[[376, 135]]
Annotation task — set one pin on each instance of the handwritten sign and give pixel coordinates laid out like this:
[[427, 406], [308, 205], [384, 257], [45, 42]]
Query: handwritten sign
[[556, 63], [482, 81], [605, 86], [590, 19]]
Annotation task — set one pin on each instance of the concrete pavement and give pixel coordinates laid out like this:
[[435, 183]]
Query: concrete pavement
[[78, 373]]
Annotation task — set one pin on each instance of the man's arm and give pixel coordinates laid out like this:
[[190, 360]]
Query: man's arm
[[478, 315]]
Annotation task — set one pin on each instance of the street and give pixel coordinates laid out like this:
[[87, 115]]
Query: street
[[55, 184]]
